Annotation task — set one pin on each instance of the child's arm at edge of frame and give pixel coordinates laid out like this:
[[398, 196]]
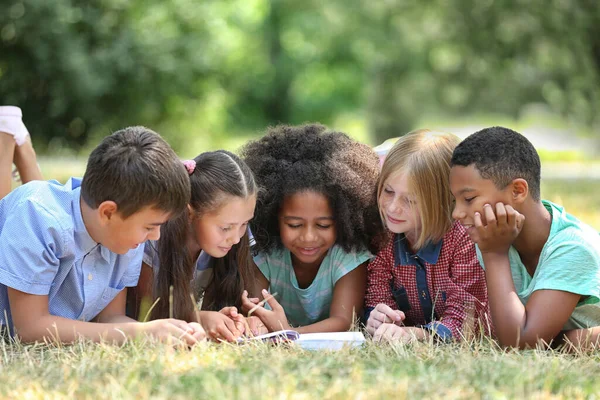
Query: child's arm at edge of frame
[[25, 160], [33, 322], [348, 297], [7, 149]]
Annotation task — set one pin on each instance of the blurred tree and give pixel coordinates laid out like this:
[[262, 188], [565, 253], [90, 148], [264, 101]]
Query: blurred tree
[[469, 56], [203, 70], [79, 65]]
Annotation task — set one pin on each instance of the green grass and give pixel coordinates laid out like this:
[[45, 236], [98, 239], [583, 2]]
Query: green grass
[[144, 370]]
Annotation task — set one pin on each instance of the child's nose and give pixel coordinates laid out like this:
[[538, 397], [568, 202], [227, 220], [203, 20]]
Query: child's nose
[[236, 238], [308, 234], [458, 214], [154, 235], [395, 206]]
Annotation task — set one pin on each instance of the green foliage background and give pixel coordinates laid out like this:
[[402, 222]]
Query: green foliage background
[[205, 72]]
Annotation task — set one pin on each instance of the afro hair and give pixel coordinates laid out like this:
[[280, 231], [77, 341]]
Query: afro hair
[[294, 159]]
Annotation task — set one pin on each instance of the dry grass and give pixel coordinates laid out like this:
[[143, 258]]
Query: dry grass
[[144, 369]]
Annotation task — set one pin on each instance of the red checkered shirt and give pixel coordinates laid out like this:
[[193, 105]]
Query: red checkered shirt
[[456, 284]]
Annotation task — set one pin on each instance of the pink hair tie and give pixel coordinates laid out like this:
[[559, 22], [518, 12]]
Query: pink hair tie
[[190, 165]]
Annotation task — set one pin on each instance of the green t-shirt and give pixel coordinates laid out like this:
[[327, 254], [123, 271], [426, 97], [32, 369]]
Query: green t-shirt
[[307, 306], [570, 262]]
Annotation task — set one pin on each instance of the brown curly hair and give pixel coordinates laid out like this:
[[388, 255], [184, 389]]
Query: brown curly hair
[[292, 159]]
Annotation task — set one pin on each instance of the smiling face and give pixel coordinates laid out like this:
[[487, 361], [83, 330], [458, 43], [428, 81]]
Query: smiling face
[[307, 227], [472, 192], [217, 231], [398, 206]]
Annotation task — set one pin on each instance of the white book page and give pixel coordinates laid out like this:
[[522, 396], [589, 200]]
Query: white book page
[[332, 336], [330, 340], [273, 336]]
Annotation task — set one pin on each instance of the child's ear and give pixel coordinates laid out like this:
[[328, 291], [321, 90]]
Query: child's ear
[[519, 190], [107, 210]]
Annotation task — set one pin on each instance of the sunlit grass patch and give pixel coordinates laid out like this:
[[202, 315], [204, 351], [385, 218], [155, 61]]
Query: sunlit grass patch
[[144, 369]]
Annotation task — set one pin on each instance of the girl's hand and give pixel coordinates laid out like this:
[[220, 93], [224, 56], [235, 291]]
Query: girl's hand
[[392, 333], [237, 318], [383, 314], [257, 327], [248, 302], [169, 329], [496, 230], [219, 327], [198, 331], [273, 319]]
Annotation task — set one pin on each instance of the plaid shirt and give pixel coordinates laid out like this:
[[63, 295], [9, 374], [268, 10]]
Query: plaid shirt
[[439, 288]]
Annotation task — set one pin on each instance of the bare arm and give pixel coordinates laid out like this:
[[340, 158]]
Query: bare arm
[[348, 297], [541, 319], [26, 161], [252, 294], [33, 322], [7, 149], [581, 339]]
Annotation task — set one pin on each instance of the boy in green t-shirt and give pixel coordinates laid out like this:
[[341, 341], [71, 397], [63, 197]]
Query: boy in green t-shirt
[[542, 264]]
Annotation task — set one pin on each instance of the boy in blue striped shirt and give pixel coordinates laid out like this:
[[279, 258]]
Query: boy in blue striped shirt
[[68, 252]]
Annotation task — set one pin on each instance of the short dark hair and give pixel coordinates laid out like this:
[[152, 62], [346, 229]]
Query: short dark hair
[[293, 159], [501, 155], [135, 168]]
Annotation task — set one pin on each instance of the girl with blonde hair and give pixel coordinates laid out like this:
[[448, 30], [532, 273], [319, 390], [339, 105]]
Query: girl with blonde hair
[[426, 280]]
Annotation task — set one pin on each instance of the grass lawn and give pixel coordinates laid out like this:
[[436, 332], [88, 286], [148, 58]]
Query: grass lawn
[[144, 370], [141, 369]]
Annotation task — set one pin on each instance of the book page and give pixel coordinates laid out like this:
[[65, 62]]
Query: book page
[[285, 335], [330, 340]]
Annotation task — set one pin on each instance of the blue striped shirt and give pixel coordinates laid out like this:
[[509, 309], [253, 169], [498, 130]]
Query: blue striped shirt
[[45, 249]]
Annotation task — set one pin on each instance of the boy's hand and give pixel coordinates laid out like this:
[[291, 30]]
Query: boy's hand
[[393, 333], [219, 327], [496, 230], [169, 329], [383, 314], [273, 319]]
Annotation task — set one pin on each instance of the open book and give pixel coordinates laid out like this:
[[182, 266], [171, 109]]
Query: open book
[[312, 341]]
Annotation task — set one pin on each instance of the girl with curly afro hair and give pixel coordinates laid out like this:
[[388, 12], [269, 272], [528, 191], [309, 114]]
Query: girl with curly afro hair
[[315, 226]]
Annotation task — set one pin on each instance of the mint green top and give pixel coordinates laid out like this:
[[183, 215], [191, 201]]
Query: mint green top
[[307, 306], [570, 262]]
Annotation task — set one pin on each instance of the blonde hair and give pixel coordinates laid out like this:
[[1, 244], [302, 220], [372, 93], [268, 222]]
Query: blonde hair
[[424, 156]]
